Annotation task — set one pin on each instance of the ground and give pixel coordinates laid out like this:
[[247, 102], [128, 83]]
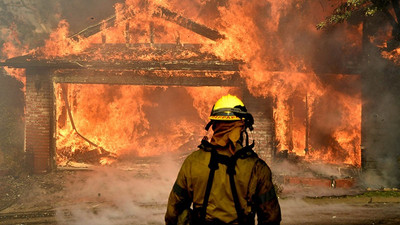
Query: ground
[[107, 195]]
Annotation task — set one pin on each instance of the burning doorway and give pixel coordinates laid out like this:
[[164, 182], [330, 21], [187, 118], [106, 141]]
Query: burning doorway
[[323, 126], [102, 124]]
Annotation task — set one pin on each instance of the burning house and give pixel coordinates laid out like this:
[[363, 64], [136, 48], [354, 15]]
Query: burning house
[[59, 90], [142, 82]]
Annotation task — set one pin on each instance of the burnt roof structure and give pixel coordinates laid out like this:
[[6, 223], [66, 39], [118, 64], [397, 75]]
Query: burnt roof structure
[[165, 64], [158, 60]]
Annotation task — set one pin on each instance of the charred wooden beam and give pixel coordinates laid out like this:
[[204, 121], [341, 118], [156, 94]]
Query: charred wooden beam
[[24, 62], [132, 78], [94, 29], [165, 65], [139, 46], [188, 24], [177, 65], [40, 64], [161, 12], [27, 61]]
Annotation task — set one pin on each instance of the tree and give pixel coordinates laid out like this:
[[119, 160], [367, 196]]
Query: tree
[[346, 10]]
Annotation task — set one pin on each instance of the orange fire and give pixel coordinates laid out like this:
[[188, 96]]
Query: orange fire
[[59, 44], [12, 48], [126, 120], [382, 39], [274, 69], [393, 55], [130, 120]]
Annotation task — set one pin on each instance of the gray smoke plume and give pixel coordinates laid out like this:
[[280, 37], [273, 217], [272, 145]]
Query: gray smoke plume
[[109, 196]]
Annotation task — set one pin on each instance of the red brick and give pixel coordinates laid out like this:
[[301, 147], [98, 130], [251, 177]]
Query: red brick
[[39, 108]]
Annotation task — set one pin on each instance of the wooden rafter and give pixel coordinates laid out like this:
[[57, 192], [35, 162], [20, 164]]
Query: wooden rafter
[[160, 12], [24, 62], [133, 78]]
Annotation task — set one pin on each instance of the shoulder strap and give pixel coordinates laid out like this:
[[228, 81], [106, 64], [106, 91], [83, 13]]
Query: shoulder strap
[[231, 172], [231, 163], [213, 165]]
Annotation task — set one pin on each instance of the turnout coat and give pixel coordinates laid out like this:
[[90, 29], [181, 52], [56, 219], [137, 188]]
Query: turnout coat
[[252, 180]]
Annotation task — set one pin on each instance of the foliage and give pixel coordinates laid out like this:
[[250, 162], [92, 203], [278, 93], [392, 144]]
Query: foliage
[[381, 194], [350, 7]]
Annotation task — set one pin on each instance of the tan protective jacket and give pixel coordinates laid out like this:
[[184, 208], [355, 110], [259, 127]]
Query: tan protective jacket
[[253, 183]]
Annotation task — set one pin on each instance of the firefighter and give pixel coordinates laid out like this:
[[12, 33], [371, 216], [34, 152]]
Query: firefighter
[[224, 181]]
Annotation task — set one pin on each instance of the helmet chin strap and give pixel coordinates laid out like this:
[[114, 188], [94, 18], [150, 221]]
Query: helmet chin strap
[[209, 124], [248, 119], [247, 139]]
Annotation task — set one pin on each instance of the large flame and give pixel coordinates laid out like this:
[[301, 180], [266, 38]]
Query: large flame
[[273, 38], [129, 120], [13, 47], [261, 39]]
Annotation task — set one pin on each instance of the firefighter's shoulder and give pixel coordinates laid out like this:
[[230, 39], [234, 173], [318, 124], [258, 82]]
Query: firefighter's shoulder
[[262, 167], [198, 156]]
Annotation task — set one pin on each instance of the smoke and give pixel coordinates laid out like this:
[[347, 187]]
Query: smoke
[[382, 142], [81, 13], [11, 123], [381, 107], [28, 22], [109, 195], [34, 20]]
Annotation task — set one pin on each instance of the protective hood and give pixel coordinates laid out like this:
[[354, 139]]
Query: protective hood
[[228, 134]]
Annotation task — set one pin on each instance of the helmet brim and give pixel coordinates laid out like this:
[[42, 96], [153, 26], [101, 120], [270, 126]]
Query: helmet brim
[[225, 118]]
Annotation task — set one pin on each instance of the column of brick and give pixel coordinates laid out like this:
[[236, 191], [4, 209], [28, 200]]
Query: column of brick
[[263, 134], [38, 127]]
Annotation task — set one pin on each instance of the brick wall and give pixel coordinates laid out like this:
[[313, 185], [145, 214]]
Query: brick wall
[[263, 134], [38, 124]]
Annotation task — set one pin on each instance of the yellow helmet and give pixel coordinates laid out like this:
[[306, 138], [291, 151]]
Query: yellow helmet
[[224, 108], [230, 108]]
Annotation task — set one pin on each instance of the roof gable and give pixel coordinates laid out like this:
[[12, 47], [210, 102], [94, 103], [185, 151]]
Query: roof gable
[[159, 12], [108, 43]]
